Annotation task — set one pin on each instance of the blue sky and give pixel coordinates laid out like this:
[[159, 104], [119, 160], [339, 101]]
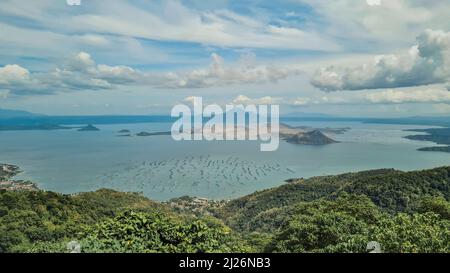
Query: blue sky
[[343, 57]]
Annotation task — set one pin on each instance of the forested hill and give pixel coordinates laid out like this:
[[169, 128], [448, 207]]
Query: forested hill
[[403, 211], [389, 189]]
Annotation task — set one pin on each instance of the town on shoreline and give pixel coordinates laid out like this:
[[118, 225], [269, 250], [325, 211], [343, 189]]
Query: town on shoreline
[[6, 183]]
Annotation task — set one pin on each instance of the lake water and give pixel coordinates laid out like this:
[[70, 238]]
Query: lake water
[[69, 161]]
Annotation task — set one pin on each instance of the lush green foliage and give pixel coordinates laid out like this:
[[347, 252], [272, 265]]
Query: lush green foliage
[[155, 232], [391, 190], [323, 226], [27, 217], [413, 233], [403, 211], [438, 205], [348, 223]]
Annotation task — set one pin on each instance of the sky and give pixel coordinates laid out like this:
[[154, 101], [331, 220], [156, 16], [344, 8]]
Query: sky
[[360, 58]]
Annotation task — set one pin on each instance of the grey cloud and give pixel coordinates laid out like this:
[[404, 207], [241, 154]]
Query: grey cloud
[[428, 62]]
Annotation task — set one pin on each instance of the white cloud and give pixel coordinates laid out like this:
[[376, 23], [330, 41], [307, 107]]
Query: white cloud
[[82, 73], [13, 74], [14, 78], [429, 94], [189, 99], [219, 74], [242, 99], [168, 21], [49, 45], [389, 24], [428, 62], [373, 2], [418, 95], [355, 21], [73, 2], [83, 63]]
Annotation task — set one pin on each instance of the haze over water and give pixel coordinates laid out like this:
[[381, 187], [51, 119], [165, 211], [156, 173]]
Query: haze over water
[[69, 161]]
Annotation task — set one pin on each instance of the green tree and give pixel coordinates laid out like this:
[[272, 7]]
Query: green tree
[[155, 232], [417, 233], [341, 225], [438, 205]]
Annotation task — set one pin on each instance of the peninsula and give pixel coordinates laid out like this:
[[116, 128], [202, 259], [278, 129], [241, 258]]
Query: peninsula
[[436, 135]]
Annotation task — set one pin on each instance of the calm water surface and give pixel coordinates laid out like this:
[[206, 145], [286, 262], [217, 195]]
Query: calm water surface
[[70, 161]]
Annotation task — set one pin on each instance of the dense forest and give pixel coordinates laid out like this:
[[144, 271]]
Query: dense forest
[[402, 211]]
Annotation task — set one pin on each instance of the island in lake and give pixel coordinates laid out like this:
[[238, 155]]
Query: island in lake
[[292, 134], [88, 128], [435, 149], [154, 134], [314, 137], [124, 133]]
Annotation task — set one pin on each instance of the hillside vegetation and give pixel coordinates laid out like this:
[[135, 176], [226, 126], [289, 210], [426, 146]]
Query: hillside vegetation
[[390, 190], [403, 211]]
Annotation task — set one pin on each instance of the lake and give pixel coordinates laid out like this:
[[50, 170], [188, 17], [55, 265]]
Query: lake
[[69, 161]]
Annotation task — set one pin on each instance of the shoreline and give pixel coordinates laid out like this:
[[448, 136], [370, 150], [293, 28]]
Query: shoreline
[[7, 172], [438, 136]]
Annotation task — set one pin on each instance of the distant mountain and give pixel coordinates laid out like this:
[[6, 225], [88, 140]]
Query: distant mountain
[[416, 120], [308, 115], [306, 135], [7, 113]]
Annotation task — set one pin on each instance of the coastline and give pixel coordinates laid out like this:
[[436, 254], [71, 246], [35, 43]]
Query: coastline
[[439, 136], [182, 203], [259, 221], [7, 172]]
